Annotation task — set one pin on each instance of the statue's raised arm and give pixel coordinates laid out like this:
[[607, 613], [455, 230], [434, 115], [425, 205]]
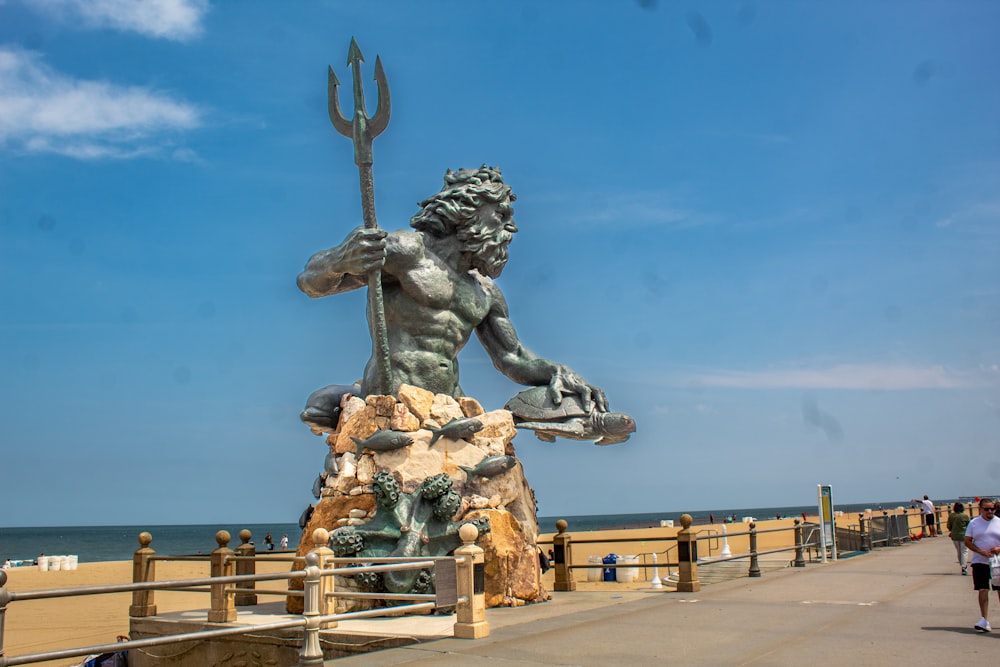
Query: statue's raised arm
[[344, 267]]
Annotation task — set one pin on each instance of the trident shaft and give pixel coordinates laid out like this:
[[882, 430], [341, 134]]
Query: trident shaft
[[362, 130]]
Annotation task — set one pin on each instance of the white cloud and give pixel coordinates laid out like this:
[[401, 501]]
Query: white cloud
[[639, 209], [846, 376], [167, 19], [186, 155], [42, 110]]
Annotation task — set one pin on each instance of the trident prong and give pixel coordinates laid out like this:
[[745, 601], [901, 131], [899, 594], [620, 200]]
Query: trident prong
[[380, 120], [362, 130], [340, 123]]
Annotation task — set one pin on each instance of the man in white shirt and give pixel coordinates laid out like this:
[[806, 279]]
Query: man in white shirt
[[930, 518], [982, 537]]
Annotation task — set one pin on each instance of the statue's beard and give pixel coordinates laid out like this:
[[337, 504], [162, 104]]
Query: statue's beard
[[489, 255]]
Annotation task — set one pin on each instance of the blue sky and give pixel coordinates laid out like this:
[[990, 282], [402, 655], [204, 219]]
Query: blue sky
[[768, 230]]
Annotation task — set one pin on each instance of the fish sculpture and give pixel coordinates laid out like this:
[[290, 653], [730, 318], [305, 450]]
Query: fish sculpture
[[330, 463], [322, 411], [383, 441], [533, 409], [491, 466], [457, 429], [318, 485], [306, 515]]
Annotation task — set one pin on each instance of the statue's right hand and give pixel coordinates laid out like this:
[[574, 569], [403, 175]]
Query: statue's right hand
[[363, 250]]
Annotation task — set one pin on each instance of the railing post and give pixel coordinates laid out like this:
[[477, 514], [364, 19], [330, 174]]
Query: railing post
[[246, 550], [800, 560], [326, 604], [143, 570], [223, 610], [687, 557], [865, 533], [937, 521], [471, 579], [562, 558], [4, 600], [754, 566], [311, 654]]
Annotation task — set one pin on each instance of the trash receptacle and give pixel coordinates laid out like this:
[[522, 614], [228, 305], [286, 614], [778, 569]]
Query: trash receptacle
[[594, 573], [609, 572], [626, 575]]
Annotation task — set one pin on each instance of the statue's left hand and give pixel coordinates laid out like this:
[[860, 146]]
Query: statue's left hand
[[566, 381]]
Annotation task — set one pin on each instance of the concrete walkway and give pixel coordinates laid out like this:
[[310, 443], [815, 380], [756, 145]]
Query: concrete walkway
[[904, 605]]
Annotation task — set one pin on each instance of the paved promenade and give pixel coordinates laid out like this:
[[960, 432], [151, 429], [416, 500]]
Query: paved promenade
[[904, 605]]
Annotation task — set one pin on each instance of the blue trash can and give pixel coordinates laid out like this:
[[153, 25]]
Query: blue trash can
[[609, 572]]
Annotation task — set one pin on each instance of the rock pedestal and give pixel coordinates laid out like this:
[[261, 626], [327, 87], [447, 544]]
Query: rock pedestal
[[375, 495]]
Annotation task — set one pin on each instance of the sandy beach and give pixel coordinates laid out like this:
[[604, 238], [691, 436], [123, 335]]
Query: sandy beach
[[35, 626]]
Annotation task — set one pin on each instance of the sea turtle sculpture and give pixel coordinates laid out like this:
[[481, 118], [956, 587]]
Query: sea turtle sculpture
[[533, 409]]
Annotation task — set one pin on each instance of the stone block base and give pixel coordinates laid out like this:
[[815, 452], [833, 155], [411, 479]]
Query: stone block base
[[472, 630], [276, 648]]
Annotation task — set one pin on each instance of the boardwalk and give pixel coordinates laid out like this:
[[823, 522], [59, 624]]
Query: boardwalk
[[905, 605]]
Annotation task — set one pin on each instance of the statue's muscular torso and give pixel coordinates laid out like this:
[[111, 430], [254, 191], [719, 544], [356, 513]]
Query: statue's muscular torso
[[431, 309]]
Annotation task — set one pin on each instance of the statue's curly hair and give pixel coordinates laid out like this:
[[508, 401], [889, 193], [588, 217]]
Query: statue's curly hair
[[454, 208]]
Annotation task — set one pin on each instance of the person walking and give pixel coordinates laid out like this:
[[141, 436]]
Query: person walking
[[957, 521], [927, 507], [268, 542], [982, 536], [284, 542]]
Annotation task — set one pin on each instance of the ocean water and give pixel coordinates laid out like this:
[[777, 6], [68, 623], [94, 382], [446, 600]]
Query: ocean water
[[104, 543]]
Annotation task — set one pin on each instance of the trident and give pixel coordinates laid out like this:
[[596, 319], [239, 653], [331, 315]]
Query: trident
[[362, 130]]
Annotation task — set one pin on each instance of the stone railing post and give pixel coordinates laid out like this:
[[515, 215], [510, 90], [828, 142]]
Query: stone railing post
[[471, 580], [687, 557], [326, 603], [864, 533], [754, 565], [562, 558], [143, 570], [222, 565], [4, 601], [311, 654], [800, 560], [248, 551]]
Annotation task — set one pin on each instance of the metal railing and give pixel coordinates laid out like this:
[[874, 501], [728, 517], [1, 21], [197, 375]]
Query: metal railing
[[874, 529], [458, 579], [681, 555]]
